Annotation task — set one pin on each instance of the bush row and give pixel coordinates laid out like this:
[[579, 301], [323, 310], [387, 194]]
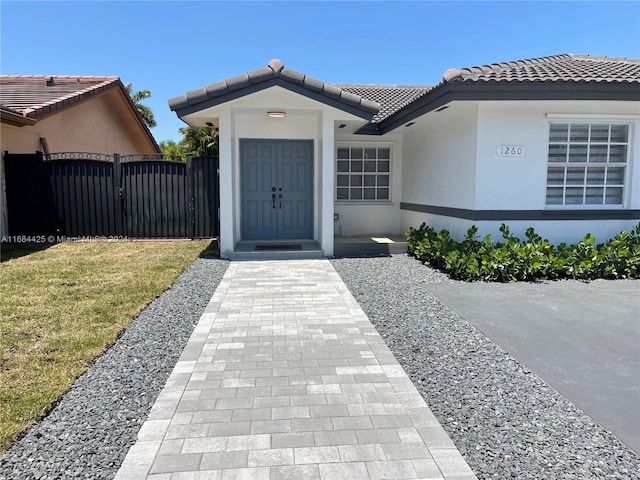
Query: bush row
[[535, 258]]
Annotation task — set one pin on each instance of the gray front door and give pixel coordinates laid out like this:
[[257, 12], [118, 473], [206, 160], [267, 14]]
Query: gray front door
[[277, 189]]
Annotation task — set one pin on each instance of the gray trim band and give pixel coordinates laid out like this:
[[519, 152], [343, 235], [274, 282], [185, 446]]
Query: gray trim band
[[503, 215], [479, 91]]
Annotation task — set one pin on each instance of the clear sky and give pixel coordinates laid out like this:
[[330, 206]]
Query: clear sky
[[172, 47]]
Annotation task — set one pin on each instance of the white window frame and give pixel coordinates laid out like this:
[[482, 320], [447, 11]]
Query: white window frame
[[363, 145], [612, 119]]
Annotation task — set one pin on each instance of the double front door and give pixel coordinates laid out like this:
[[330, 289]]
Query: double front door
[[276, 189]]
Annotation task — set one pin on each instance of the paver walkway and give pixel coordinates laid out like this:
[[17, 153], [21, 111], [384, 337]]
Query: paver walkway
[[284, 377]]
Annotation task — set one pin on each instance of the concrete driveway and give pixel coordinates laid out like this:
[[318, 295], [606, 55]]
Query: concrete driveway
[[583, 339]]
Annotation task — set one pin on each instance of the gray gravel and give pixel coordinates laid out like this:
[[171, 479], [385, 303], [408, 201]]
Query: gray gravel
[[87, 435], [506, 421]]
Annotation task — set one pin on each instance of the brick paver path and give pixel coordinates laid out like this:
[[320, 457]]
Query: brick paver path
[[284, 377]]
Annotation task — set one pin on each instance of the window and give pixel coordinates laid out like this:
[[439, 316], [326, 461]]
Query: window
[[587, 163], [363, 173]]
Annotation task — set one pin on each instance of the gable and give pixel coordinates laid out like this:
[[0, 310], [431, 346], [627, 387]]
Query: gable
[[28, 99], [273, 75]]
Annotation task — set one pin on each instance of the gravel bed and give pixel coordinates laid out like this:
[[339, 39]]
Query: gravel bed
[[88, 434], [505, 420]]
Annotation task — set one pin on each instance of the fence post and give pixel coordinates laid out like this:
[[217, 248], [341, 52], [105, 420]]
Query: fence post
[[191, 225], [117, 196]]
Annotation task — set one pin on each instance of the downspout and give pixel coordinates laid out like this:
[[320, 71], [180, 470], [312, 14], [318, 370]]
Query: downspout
[[45, 146]]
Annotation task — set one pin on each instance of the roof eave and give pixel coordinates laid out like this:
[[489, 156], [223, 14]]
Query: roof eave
[[182, 106], [68, 100], [16, 119], [540, 90]]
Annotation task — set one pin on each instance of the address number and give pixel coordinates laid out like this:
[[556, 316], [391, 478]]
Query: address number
[[510, 151]]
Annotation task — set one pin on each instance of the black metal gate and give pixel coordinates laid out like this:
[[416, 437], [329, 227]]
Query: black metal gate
[[93, 195]]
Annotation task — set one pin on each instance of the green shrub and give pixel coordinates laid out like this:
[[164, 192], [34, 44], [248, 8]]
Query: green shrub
[[513, 260]]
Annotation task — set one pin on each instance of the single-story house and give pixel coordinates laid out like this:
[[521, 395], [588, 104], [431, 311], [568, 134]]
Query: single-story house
[[68, 114], [551, 142]]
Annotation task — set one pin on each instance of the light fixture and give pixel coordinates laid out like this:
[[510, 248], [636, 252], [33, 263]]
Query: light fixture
[[409, 124], [276, 114], [442, 108], [342, 125]]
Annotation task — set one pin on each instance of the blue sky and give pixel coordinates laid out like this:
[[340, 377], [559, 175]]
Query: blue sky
[[172, 47]]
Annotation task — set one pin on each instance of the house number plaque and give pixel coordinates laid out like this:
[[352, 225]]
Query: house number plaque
[[513, 151]]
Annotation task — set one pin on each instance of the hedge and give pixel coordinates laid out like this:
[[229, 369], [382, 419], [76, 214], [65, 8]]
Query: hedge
[[513, 260]]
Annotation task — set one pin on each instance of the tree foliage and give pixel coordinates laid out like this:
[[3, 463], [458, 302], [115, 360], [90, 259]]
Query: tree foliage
[[172, 150], [201, 142], [145, 112]]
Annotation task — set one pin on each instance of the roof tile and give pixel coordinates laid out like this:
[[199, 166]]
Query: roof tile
[[331, 90], [388, 100], [313, 84], [237, 82], [556, 68], [260, 75], [295, 77], [31, 96], [390, 97], [276, 65], [275, 69], [349, 97], [217, 88]]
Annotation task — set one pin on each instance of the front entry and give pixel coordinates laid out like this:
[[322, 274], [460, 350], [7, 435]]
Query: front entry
[[277, 189]]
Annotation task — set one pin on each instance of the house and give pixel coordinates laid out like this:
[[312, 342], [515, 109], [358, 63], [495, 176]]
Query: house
[[68, 114], [551, 142]]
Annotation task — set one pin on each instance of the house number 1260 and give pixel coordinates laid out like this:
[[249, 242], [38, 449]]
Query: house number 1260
[[510, 151]]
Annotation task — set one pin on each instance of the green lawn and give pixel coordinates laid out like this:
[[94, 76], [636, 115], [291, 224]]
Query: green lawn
[[61, 306]]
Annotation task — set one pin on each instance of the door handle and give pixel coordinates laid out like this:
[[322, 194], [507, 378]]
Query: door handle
[[273, 197], [280, 197]]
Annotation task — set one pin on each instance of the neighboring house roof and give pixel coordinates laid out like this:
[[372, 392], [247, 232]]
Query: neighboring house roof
[[14, 117], [35, 96], [274, 74], [557, 77]]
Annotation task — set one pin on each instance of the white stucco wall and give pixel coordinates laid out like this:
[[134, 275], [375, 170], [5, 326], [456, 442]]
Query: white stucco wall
[[439, 154], [500, 183], [372, 217], [520, 183]]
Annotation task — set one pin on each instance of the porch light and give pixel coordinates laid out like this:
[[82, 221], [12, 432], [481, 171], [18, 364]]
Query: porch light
[[276, 114]]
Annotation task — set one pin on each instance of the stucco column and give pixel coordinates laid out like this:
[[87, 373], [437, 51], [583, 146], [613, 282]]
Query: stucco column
[[326, 212], [226, 184]]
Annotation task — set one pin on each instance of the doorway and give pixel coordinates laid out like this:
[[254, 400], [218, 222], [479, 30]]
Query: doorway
[[276, 178]]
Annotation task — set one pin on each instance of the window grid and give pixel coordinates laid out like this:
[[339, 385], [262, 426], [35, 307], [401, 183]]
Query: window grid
[[363, 173], [587, 163]]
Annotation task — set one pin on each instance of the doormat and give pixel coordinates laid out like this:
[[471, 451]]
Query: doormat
[[279, 247]]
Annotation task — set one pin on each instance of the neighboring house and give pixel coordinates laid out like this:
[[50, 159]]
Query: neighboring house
[[68, 114], [550, 142]]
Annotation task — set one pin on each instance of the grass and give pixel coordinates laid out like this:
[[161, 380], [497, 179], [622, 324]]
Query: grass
[[62, 306]]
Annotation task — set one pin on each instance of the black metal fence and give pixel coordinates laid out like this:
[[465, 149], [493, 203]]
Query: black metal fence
[[91, 195]]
